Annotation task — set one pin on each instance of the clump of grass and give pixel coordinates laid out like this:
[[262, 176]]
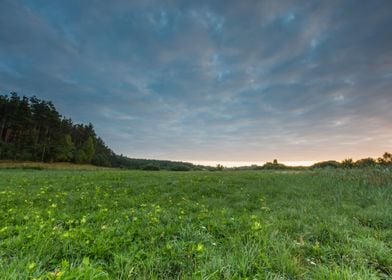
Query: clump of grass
[[223, 225]]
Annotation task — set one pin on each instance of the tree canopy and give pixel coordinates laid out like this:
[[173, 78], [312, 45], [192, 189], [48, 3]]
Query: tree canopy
[[32, 129]]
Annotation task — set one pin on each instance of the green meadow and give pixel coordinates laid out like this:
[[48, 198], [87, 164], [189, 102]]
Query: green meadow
[[111, 224]]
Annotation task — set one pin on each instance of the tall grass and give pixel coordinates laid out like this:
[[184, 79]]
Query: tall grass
[[5, 164], [334, 224]]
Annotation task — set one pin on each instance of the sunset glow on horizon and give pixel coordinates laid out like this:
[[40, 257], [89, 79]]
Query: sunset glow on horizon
[[249, 163]]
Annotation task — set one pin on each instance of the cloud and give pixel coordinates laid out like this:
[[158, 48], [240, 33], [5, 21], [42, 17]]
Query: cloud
[[206, 80]]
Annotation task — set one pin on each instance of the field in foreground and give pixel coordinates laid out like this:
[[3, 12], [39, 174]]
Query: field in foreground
[[202, 225]]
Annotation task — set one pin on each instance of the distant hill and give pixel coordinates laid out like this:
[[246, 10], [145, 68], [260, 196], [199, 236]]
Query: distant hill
[[152, 164]]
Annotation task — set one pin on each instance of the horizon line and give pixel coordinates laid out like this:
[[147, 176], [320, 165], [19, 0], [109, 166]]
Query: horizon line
[[248, 163]]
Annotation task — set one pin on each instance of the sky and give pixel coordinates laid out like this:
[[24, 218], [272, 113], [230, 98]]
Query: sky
[[210, 81]]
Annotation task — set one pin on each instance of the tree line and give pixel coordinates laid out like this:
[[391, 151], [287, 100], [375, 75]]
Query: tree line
[[384, 161], [32, 129]]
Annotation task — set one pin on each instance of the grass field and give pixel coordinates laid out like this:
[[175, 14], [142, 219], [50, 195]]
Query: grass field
[[202, 225]]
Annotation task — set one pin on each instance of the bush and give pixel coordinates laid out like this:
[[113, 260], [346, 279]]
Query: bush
[[151, 167], [365, 162], [180, 168], [327, 164]]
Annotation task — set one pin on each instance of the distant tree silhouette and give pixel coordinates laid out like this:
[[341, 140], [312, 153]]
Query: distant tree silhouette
[[328, 164], [348, 163], [274, 165], [365, 162], [386, 159], [219, 167]]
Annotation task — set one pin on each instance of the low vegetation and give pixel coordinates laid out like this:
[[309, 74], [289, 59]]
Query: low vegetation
[[108, 224], [47, 166]]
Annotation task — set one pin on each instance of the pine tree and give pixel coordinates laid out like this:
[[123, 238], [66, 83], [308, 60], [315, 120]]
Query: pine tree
[[66, 149]]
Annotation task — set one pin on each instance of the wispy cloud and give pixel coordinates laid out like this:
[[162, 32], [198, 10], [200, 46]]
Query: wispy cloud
[[225, 80]]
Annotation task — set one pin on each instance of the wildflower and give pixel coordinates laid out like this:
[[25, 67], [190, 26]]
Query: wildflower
[[158, 209], [86, 261], [56, 274], [200, 248], [310, 260], [32, 265], [256, 226]]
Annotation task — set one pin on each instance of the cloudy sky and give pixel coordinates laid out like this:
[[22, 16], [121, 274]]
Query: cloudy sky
[[210, 80]]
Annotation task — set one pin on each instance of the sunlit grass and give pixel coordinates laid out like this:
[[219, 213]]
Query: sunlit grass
[[202, 225], [8, 164]]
